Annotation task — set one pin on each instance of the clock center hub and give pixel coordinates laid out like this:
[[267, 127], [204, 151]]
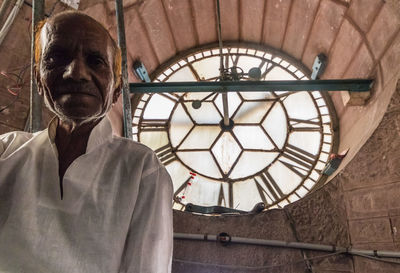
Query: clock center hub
[[226, 127]]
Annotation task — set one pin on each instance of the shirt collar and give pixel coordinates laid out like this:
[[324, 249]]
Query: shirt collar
[[100, 134]]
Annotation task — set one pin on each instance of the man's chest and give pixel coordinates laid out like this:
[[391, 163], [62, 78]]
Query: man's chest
[[94, 214]]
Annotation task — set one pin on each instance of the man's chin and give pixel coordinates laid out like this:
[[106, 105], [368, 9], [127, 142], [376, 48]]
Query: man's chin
[[78, 112], [78, 116]]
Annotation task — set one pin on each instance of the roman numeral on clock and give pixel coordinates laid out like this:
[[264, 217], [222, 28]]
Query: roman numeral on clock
[[153, 125], [165, 154], [221, 197], [179, 191], [182, 187], [297, 160], [304, 125], [274, 192]]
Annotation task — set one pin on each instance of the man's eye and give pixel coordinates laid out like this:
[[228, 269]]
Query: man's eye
[[94, 60], [54, 58]]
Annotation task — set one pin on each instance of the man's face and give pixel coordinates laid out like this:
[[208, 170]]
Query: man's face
[[76, 68]]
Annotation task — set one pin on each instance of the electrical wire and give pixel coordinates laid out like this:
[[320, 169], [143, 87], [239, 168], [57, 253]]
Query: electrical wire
[[10, 89], [11, 17], [19, 83], [249, 268], [383, 260], [9, 105]]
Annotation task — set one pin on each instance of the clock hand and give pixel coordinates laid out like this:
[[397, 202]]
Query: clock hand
[[226, 108], [221, 68]]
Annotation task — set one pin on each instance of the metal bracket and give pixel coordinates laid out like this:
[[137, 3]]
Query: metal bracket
[[140, 71], [220, 210], [224, 238], [319, 66]]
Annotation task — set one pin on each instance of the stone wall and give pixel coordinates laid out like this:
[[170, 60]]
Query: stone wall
[[371, 189]]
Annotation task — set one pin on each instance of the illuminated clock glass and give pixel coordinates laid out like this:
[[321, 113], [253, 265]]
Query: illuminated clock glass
[[272, 151]]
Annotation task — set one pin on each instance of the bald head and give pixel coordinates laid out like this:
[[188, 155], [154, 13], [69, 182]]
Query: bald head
[[70, 20]]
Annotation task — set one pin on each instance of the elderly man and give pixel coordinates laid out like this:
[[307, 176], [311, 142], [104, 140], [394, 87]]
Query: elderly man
[[74, 198]]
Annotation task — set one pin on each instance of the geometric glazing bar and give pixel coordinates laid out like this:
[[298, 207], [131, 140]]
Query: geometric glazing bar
[[352, 85]]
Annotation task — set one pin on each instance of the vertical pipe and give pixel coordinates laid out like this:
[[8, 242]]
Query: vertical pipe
[[4, 8], [221, 56], [127, 119], [35, 109], [225, 104]]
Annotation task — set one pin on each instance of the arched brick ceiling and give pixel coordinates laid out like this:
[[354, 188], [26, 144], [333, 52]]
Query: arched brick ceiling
[[159, 29]]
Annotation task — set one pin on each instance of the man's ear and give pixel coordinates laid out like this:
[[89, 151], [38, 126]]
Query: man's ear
[[117, 91], [38, 82]]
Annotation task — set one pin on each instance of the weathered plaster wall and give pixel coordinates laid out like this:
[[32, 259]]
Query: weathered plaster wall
[[371, 187], [360, 207], [315, 219], [367, 45]]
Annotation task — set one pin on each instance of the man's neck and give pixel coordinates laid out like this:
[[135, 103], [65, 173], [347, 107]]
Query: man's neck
[[71, 129], [71, 142]]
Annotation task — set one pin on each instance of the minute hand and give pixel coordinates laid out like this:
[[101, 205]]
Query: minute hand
[[226, 108]]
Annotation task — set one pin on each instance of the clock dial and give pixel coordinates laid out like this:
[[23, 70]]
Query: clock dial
[[272, 151]]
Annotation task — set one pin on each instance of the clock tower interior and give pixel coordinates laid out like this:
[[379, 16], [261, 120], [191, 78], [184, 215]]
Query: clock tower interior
[[309, 167]]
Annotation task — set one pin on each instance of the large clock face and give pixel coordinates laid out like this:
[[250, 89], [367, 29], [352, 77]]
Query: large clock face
[[272, 151]]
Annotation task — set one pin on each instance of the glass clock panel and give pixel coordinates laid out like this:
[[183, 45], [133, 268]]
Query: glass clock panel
[[278, 74], [253, 137], [273, 150], [226, 151], [252, 162], [207, 68], [201, 162], [158, 107], [246, 62], [234, 103], [201, 137], [243, 191], [181, 126], [207, 115], [207, 96], [257, 95], [183, 75], [252, 112]]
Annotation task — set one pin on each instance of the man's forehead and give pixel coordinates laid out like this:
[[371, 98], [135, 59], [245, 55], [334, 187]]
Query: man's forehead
[[67, 26], [67, 19]]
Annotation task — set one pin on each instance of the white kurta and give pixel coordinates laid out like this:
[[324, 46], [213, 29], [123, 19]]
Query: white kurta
[[115, 216]]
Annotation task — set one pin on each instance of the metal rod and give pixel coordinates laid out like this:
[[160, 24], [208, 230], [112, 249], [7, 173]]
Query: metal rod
[[221, 56], [127, 115], [225, 104], [4, 8], [353, 85], [35, 109], [295, 245]]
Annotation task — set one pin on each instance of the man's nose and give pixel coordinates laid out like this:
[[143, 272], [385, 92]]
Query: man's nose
[[77, 70]]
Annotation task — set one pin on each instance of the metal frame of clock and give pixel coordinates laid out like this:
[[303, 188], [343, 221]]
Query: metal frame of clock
[[241, 148], [202, 114]]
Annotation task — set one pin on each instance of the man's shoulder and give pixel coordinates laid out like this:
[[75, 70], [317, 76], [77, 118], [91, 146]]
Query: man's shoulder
[[13, 140], [130, 145], [138, 152], [16, 134]]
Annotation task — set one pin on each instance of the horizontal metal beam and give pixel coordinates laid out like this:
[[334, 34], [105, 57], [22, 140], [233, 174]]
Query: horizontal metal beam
[[353, 85]]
